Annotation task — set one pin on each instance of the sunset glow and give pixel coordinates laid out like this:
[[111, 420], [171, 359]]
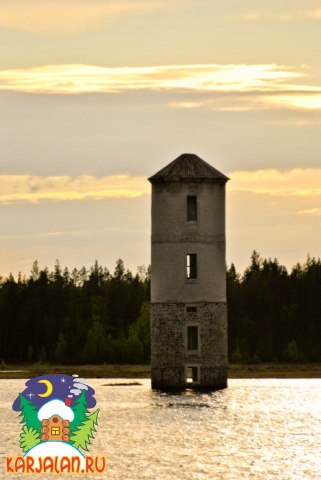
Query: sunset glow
[[276, 182], [85, 78], [97, 96], [269, 83], [24, 188], [69, 17]]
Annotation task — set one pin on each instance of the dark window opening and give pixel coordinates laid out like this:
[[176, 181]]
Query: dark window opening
[[192, 337], [191, 208], [191, 309], [192, 375], [191, 265]]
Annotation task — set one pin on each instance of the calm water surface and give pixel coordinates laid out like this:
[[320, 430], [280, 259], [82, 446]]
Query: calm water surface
[[255, 429]]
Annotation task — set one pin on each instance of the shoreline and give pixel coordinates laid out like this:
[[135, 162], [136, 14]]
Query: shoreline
[[262, 370]]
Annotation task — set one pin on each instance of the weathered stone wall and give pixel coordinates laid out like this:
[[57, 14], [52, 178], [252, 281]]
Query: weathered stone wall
[[170, 357]]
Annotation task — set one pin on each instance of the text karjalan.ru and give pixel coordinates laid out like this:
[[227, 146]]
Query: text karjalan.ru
[[57, 464]]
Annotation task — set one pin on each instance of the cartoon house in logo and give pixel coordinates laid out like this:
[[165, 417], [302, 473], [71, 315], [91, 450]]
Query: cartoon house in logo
[[55, 417], [54, 411]]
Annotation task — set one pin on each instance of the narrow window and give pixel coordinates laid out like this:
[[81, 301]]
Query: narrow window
[[191, 265], [192, 337], [191, 309], [191, 208], [192, 375]]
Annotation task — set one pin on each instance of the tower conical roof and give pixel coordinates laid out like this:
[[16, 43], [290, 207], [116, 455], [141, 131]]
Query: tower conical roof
[[188, 166]]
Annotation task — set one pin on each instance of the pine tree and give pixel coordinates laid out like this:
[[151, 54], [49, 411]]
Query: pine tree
[[29, 412], [80, 410], [82, 436]]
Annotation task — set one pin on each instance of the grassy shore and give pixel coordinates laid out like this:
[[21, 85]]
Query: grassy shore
[[85, 371], [275, 370], [263, 370]]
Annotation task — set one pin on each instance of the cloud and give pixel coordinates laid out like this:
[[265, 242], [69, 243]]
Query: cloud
[[297, 182], [70, 16], [75, 234], [315, 14], [86, 78], [245, 16], [299, 100], [312, 211], [267, 15], [252, 16], [34, 189], [301, 15], [188, 104], [228, 87]]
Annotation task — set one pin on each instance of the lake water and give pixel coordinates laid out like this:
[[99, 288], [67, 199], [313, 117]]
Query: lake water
[[256, 429]]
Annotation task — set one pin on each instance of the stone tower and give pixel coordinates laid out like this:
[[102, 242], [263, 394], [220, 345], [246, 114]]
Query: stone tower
[[188, 285]]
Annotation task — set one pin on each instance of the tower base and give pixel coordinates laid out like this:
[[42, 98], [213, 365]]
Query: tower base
[[175, 362]]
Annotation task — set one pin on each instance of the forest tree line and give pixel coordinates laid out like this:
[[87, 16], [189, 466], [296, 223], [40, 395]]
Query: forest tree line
[[96, 317], [78, 317]]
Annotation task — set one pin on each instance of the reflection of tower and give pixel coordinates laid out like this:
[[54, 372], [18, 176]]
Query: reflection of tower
[[188, 286]]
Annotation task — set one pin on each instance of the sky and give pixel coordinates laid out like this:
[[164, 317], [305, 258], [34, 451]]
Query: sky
[[98, 95]]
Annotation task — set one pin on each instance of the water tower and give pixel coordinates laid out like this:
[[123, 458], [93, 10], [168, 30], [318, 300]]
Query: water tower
[[188, 283]]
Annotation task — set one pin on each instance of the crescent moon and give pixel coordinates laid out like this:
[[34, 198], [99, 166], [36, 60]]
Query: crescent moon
[[49, 388]]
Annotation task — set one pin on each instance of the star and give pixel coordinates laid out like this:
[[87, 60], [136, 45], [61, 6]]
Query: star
[[30, 395], [63, 380]]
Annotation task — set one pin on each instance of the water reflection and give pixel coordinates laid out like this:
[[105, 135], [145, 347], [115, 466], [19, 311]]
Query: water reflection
[[259, 429]]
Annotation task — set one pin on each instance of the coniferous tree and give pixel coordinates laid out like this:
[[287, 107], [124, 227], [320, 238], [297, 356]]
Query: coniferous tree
[[80, 410], [82, 436], [29, 414], [57, 316]]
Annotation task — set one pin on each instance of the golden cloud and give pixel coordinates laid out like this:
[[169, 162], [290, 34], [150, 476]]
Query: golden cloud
[[86, 78], [69, 16], [296, 182], [242, 87], [312, 211], [267, 15], [34, 189], [306, 101], [301, 15]]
